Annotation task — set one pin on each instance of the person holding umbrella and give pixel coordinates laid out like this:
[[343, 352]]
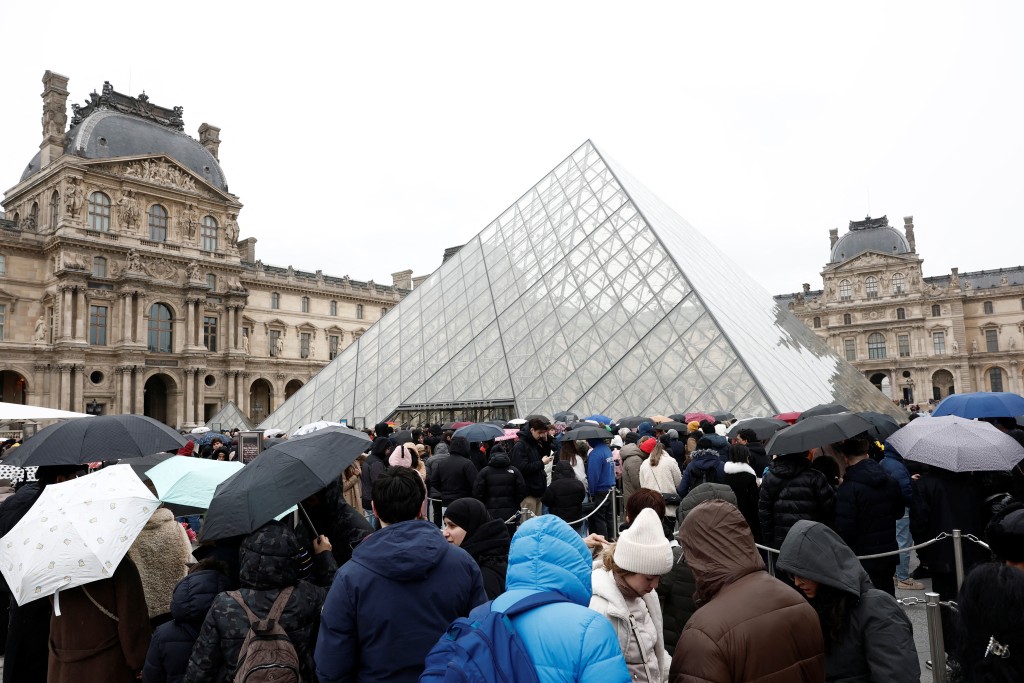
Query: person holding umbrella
[[790, 491]]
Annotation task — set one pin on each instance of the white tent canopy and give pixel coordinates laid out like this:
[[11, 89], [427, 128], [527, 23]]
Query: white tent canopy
[[13, 412]]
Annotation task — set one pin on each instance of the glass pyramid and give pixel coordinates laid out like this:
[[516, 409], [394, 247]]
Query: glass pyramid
[[229, 417], [588, 294]]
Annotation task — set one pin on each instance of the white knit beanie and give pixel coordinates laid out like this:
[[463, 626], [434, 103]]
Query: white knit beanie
[[721, 429], [643, 548]]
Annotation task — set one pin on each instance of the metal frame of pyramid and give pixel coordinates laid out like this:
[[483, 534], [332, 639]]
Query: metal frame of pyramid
[[588, 294], [229, 417]]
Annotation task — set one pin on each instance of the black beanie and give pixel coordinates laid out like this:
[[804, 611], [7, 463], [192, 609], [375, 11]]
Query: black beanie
[[382, 429], [468, 513]]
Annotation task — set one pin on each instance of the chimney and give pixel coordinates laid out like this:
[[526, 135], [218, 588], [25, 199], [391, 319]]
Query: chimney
[[807, 288], [402, 279], [247, 249], [209, 137], [55, 117], [908, 227], [833, 236], [417, 281]]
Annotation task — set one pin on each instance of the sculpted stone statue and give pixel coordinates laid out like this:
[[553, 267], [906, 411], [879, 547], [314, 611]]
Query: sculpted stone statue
[[133, 263], [72, 198], [40, 332], [128, 210], [245, 343], [974, 346], [279, 347], [955, 347], [192, 271], [190, 222], [231, 230]]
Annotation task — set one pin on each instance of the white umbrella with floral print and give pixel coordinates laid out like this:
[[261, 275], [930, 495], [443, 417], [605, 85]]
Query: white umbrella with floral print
[[77, 532]]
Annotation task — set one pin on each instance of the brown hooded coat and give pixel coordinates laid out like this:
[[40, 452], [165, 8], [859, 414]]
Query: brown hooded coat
[[749, 626]]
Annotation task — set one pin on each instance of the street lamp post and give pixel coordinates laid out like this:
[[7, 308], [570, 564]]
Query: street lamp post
[[910, 389]]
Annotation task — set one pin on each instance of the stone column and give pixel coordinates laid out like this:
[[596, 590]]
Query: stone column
[[198, 323], [140, 322], [139, 384], [82, 315], [124, 381], [243, 392], [79, 389], [190, 378], [229, 331], [65, 312], [65, 387], [229, 386], [187, 336], [200, 396], [125, 317]]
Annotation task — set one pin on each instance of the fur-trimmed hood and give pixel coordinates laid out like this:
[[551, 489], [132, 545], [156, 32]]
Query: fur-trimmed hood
[[738, 467]]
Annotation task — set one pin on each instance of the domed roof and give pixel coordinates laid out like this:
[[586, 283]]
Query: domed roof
[[109, 127], [871, 234]]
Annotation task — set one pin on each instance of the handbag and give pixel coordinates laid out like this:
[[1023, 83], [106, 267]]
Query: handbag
[[669, 498]]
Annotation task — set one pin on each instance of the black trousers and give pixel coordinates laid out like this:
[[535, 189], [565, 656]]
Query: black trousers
[[602, 522]]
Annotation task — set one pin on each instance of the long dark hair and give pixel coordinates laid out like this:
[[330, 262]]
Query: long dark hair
[[568, 452], [991, 606], [833, 607]]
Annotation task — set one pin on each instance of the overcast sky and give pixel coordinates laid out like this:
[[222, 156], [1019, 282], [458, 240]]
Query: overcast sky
[[364, 138]]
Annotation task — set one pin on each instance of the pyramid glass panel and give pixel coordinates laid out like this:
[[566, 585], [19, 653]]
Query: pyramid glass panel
[[588, 294]]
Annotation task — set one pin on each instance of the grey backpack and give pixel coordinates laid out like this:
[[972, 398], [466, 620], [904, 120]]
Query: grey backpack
[[267, 654]]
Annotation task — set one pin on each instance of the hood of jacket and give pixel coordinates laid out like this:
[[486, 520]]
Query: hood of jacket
[[403, 551], [162, 517], [269, 558], [459, 446], [705, 459], [789, 466], [718, 546], [491, 539], [631, 450], [717, 439], [547, 555], [441, 449], [867, 472], [562, 470], [194, 594], [815, 552], [707, 491], [499, 459]]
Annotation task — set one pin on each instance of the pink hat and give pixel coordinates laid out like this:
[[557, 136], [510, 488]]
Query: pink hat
[[402, 456]]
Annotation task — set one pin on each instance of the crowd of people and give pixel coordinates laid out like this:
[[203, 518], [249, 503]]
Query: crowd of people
[[422, 531]]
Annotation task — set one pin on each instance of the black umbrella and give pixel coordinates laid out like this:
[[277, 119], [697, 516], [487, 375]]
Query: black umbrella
[[632, 422], [479, 432], [764, 427], [722, 415], [585, 431], [566, 417], [107, 437], [882, 425], [823, 409], [404, 436], [142, 465], [278, 478], [817, 430], [539, 416], [500, 423], [678, 417], [671, 424]]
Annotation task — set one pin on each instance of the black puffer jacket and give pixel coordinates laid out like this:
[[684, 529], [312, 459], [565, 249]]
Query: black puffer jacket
[[171, 645], [454, 476], [944, 501], [499, 486], [527, 456], [868, 504], [759, 459], [28, 637], [375, 464], [268, 558], [792, 491], [565, 495], [489, 545]]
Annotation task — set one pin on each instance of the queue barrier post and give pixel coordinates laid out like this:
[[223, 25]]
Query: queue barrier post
[[935, 642]]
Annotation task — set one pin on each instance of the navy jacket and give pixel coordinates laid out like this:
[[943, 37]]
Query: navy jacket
[[707, 460], [391, 602], [172, 643], [892, 463], [868, 504], [600, 467]]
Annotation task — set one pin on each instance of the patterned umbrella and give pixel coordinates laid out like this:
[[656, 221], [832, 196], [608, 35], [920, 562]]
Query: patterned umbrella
[[77, 532], [314, 426], [957, 444], [700, 417]]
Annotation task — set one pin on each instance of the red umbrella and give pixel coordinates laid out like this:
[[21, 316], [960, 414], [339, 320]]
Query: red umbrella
[[456, 425], [790, 417], [700, 417]]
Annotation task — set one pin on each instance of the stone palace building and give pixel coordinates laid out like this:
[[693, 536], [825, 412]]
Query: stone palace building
[[917, 338], [126, 287]]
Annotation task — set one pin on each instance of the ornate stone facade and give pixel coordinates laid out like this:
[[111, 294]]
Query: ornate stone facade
[[125, 287], [918, 338]]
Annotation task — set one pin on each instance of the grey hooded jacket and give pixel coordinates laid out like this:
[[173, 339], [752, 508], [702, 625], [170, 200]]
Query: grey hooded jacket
[[878, 644]]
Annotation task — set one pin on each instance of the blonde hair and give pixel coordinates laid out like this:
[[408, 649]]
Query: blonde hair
[[608, 562], [655, 457]]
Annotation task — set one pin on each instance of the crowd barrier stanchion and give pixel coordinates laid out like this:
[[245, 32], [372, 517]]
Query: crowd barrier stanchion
[[958, 558], [935, 642]]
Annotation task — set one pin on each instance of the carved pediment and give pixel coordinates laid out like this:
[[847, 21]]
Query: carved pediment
[[869, 260], [161, 170]]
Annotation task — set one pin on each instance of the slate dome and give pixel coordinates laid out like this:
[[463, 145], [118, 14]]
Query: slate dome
[[872, 234]]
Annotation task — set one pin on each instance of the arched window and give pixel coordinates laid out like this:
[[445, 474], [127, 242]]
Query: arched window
[[897, 283], [847, 319], [54, 209], [99, 266], [359, 311], [871, 286], [901, 314], [305, 304], [876, 346], [936, 311], [161, 334], [845, 291], [988, 307], [33, 215], [817, 322], [157, 223], [275, 300], [99, 212], [334, 308], [995, 379], [209, 234]]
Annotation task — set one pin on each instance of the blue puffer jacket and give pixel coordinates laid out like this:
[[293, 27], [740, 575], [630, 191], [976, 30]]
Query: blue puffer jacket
[[712, 471], [567, 641], [391, 602], [172, 642], [892, 463]]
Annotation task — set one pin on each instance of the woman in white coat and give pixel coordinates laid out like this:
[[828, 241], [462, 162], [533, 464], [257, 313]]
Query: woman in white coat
[[623, 591], [660, 472]]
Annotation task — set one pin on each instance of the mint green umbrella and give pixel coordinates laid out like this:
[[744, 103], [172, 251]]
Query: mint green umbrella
[[183, 480]]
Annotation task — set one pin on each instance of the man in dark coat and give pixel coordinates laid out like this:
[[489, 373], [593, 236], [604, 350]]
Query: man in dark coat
[[759, 459], [28, 638], [269, 565], [454, 476], [868, 504], [172, 642], [402, 588], [530, 454], [440, 451], [500, 487], [705, 467], [793, 491], [374, 466]]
